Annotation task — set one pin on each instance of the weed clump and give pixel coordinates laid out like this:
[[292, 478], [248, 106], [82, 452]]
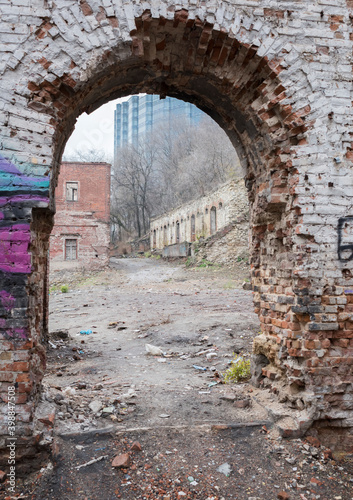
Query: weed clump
[[238, 370], [189, 262], [205, 263], [64, 289]]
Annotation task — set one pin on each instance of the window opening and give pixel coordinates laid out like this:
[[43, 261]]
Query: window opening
[[70, 249], [71, 191]]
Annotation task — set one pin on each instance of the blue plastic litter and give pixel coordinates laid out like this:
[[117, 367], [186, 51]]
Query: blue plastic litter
[[199, 368], [86, 332]]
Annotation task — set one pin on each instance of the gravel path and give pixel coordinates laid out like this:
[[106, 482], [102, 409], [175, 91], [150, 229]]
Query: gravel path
[[198, 438]]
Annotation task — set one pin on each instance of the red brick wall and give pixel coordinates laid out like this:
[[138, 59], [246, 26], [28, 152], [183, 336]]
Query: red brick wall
[[86, 220]]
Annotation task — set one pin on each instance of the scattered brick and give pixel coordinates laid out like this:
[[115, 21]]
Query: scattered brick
[[122, 461], [136, 446]]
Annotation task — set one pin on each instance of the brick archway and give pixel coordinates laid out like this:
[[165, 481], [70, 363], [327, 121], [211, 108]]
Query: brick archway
[[246, 68]]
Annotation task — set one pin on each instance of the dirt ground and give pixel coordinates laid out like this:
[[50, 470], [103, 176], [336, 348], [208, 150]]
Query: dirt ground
[[198, 437]]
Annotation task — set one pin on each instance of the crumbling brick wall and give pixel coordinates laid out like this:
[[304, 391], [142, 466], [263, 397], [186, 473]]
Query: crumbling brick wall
[[278, 80], [194, 218], [227, 247]]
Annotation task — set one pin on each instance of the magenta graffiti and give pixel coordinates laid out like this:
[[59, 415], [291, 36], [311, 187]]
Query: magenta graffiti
[[19, 194], [17, 333], [14, 243], [20, 198], [18, 189], [7, 301]]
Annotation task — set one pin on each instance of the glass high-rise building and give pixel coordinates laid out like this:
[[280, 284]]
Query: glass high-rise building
[[138, 115]]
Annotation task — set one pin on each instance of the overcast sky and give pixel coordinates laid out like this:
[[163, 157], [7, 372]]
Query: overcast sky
[[94, 131]]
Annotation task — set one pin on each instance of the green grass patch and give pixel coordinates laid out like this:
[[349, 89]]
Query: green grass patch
[[239, 370], [189, 262], [205, 263]]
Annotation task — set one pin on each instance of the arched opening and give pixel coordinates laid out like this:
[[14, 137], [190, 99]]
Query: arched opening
[[177, 232], [232, 80], [193, 228], [245, 123], [213, 220]]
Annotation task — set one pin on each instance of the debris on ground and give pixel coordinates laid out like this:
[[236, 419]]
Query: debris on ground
[[94, 461], [174, 424], [153, 350]]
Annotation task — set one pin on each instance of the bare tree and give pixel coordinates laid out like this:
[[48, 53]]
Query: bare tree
[[170, 166], [193, 161], [134, 182], [88, 155], [211, 161]]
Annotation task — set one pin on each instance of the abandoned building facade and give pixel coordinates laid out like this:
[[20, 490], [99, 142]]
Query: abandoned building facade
[[81, 232], [277, 78], [200, 218]]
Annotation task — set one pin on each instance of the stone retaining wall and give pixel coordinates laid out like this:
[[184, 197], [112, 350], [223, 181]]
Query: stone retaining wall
[[200, 218]]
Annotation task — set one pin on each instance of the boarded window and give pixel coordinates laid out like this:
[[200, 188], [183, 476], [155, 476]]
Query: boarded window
[[70, 249], [71, 191]]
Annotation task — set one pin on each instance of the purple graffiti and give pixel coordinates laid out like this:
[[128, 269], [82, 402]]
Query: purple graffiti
[[19, 194], [17, 333], [16, 189], [7, 166], [7, 300], [20, 198], [14, 244]]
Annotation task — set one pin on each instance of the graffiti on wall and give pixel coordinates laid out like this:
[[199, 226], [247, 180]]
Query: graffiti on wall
[[19, 194], [345, 239]]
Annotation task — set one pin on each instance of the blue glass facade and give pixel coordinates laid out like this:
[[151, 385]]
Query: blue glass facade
[[138, 115]]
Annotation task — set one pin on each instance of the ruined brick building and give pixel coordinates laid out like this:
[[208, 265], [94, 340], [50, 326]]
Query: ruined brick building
[[81, 232], [276, 76], [200, 218]]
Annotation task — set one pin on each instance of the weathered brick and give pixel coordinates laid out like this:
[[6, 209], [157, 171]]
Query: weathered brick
[[92, 241], [290, 108]]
